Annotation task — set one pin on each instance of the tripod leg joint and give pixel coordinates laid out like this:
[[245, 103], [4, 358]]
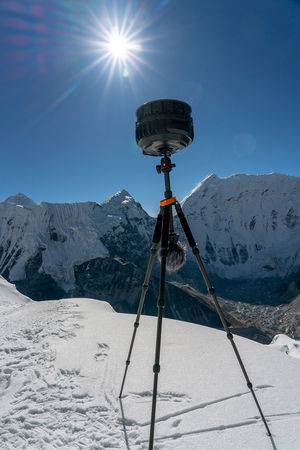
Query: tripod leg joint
[[127, 362], [230, 336], [211, 290], [136, 324], [250, 385], [156, 368], [195, 250], [161, 303]]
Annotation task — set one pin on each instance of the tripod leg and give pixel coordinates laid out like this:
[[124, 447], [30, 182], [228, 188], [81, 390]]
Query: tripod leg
[[160, 306], [153, 251], [213, 295]]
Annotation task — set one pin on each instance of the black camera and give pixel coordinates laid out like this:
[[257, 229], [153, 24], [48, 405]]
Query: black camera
[[163, 127]]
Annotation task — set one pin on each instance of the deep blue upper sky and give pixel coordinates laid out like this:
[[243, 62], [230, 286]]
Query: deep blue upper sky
[[68, 134]]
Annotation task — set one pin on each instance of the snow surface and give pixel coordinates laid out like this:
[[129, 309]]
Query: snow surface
[[62, 363], [10, 298], [286, 345]]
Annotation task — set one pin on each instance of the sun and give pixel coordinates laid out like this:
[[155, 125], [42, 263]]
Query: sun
[[114, 45], [119, 46]]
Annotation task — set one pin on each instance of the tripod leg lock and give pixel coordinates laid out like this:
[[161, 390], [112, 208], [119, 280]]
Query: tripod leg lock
[[127, 362], [161, 303], [211, 290], [156, 368], [136, 324], [249, 385], [230, 336]]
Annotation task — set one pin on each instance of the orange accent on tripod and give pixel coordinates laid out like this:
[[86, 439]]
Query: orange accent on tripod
[[168, 201]]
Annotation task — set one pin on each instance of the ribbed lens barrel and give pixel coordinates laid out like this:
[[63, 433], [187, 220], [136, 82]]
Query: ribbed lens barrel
[[164, 126]]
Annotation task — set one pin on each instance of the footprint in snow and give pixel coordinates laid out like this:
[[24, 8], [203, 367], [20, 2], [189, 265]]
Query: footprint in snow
[[162, 396], [102, 353]]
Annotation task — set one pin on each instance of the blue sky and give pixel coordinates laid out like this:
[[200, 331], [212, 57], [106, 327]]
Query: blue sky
[[67, 134]]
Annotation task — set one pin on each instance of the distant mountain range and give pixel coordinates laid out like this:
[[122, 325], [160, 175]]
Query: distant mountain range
[[247, 228]]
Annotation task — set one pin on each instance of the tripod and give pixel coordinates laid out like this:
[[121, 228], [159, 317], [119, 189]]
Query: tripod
[[162, 233]]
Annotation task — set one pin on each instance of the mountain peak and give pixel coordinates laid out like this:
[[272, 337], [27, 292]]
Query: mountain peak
[[20, 199], [123, 194], [121, 197]]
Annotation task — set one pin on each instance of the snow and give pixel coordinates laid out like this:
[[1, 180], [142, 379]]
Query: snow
[[286, 345], [247, 225], [62, 363], [10, 298]]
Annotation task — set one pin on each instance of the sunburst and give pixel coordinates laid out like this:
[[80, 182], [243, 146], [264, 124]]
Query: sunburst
[[118, 45], [112, 44]]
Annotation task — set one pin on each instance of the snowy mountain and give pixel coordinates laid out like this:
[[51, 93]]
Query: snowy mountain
[[62, 363], [19, 200], [45, 242], [247, 225], [10, 298], [247, 228]]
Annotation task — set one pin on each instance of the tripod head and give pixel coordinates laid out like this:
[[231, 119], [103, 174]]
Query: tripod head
[[165, 165]]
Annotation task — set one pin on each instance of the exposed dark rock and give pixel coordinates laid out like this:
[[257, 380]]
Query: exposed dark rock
[[252, 223], [210, 249], [291, 219], [55, 236], [36, 285]]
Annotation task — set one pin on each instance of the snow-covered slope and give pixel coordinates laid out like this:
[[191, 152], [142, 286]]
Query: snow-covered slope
[[56, 237], [9, 297], [287, 345], [61, 367], [247, 225]]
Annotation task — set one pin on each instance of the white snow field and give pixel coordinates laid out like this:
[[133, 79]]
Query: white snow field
[[10, 298], [61, 365], [286, 345]]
